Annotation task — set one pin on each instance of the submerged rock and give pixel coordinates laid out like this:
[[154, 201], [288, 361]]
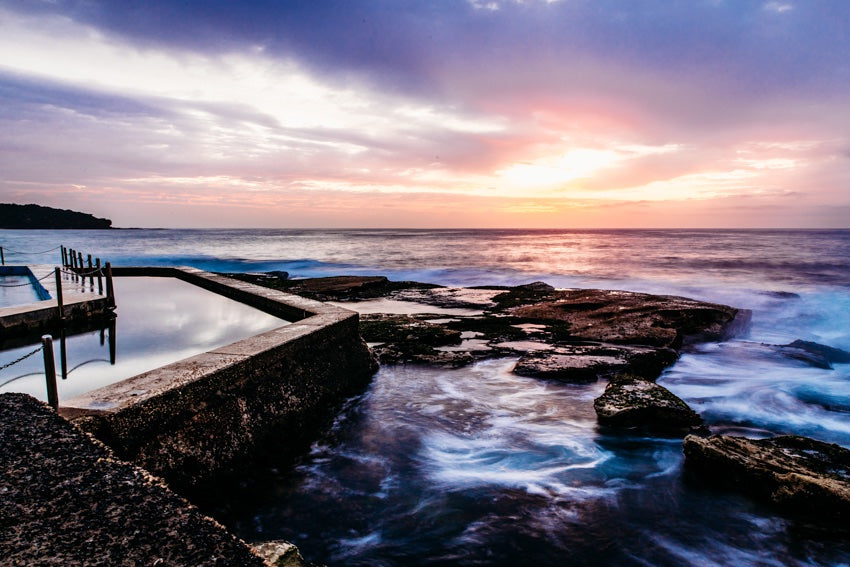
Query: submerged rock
[[815, 354], [796, 473], [589, 362], [631, 401]]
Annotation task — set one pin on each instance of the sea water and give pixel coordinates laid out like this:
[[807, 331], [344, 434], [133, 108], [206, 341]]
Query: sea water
[[477, 466]]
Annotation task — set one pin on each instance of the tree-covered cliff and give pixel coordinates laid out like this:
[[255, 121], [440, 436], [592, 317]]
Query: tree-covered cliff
[[36, 216]]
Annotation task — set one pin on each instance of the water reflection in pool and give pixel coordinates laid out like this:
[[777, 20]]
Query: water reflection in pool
[[159, 321]]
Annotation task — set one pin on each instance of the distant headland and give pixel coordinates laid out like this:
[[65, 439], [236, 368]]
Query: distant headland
[[36, 216]]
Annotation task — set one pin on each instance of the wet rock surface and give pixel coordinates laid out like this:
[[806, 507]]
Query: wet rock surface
[[336, 288], [586, 334], [567, 335], [636, 318], [590, 362], [66, 500], [632, 401], [798, 474]]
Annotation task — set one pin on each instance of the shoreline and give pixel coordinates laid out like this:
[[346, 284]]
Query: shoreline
[[571, 335]]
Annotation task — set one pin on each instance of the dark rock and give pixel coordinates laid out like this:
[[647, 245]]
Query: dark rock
[[588, 363], [536, 287], [404, 338], [493, 328], [376, 328], [66, 500], [637, 318], [336, 288], [782, 294], [339, 286], [528, 294], [279, 274], [827, 353], [631, 401], [798, 474], [810, 358]]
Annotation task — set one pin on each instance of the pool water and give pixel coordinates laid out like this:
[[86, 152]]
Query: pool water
[[17, 289], [159, 321]]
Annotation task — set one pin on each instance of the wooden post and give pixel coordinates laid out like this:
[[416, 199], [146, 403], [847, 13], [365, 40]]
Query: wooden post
[[113, 341], [80, 270], [50, 371], [91, 273], [63, 353], [57, 272], [2, 257], [110, 290], [99, 278], [64, 256], [73, 265]]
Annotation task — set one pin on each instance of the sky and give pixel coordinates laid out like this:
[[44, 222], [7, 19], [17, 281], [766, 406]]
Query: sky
[[442, 113]]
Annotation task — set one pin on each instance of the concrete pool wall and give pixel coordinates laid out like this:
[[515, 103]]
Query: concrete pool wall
[[206, 417]]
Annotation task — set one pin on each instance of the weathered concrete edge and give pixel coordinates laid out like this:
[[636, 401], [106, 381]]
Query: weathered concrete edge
[[275, 302], [204, 417]]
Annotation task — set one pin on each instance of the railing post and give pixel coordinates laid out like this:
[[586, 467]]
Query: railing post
[[50, 371], [62, 253], [99, 278], [110, 290], [73, 265], [63, 353], [91, 273], [57, 272], [113, 341]]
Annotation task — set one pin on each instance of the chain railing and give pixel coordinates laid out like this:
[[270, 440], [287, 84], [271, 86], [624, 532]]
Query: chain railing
[[19, 360], [73, 267], [49, 369], [4, 251]]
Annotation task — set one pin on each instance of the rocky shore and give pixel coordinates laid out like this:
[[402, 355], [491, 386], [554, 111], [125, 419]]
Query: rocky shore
[[585, 335], [67, 497]]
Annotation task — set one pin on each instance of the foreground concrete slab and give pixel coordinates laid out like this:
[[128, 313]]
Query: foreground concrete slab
[[65, 499]]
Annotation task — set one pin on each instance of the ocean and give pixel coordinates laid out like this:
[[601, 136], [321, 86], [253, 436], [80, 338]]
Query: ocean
[[476, 466]]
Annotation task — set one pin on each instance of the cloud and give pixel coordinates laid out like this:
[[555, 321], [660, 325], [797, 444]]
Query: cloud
[[529, 111]]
